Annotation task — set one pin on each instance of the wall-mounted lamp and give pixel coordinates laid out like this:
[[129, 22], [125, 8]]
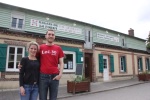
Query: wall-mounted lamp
[[106, 31], [118, 34], [74, 24], [47, 18]]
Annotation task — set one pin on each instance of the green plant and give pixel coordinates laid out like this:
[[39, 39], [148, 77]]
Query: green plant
[[148, 42], [80, 78], [148, 46], [145, 72]]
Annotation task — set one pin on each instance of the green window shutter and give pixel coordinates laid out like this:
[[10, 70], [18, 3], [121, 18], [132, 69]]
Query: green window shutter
[[78, 57], [76, 50], [3, 53], [124, 64], [101, 66], [26, 52], [111, 63], [148, 64], [141, 64], [65, 48]]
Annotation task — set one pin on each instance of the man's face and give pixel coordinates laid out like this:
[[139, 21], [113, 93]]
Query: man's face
[[50, 36]]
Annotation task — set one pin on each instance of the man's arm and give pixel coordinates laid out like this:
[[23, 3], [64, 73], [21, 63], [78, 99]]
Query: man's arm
[[61, 65]]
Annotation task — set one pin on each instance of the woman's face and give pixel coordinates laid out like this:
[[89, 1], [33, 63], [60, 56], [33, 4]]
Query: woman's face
[[33, 50]]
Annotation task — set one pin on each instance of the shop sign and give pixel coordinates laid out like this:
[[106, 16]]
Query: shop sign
[[54, 26]]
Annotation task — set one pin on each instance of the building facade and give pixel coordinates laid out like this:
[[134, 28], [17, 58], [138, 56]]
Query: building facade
[[104, 54]]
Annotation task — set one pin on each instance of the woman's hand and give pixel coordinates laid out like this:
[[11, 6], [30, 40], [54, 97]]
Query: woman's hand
[[22, 91], [19, 66]]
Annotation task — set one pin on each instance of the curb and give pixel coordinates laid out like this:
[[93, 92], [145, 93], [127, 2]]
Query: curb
[[86, 93]]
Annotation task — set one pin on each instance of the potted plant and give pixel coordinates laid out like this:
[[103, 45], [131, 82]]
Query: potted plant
[[79, 84], [144, 76]]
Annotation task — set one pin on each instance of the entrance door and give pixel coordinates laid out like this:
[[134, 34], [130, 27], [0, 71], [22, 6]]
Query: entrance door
[[88, 66], [106, 69]]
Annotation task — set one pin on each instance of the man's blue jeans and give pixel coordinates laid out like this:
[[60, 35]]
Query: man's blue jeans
[[47, 83], [31, 92]]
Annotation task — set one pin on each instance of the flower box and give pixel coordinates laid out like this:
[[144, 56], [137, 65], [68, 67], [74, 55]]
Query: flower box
[[74, 87], [144, 77]]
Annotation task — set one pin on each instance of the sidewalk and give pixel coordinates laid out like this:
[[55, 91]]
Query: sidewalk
[[62, 93]]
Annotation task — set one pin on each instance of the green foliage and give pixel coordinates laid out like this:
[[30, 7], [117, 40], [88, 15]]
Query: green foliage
[[148, 42], [80, 79], [145, 72], [148, 46]]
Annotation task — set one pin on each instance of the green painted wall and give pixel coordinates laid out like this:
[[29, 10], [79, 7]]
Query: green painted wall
[[55, 21], [100, 40], [5, 20], [5, 17], [129, 41], [136, 44]]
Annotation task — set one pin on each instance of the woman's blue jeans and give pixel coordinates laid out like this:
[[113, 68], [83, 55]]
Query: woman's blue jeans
[[31, 92], [47, 83]]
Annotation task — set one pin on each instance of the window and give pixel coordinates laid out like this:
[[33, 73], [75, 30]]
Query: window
[[17, 20], [123, 42], [140, 67], [89, 36], [147, 64], [17, 23], [105, 63], [69, 61], [122, 64], [14, 55]]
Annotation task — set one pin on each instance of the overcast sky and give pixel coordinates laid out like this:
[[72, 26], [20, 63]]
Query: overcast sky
[[118, 15]]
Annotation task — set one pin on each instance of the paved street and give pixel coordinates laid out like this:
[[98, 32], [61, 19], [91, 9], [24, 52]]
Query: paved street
[[135, 92], [97, 87]]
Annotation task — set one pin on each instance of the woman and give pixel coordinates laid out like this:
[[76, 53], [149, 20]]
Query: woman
[[29, 73]]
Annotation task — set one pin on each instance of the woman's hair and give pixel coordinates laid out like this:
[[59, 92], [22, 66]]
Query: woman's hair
[[32, 43]]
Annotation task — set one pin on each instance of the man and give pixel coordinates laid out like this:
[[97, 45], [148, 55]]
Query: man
[[50, 56]]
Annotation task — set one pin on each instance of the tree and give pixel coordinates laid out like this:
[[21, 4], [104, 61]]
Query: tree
[[148, 42]]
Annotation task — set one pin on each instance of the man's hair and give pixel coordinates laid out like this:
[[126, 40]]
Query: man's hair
[[50, 30]]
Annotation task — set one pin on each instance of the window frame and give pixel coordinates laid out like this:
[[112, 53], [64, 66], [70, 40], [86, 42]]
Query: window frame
[[74, 61], [138, 64], [147, 64], [120, 63], [15, 57], [18, 16]]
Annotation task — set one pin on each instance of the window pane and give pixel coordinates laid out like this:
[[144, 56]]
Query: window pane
[[19, 57], [20, 23], [122, 63], [14, 22], [68, 61], [147, 64], [11, 54], [139, 63], [12, 50], [10, 64], [11, 57], [19, 50], [105, 63]]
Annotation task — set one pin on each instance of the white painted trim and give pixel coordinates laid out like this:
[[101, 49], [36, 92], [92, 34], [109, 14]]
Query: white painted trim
[[74, 61], [15, 57]]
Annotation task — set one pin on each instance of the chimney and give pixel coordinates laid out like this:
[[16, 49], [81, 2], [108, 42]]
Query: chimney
[[131, 32]]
